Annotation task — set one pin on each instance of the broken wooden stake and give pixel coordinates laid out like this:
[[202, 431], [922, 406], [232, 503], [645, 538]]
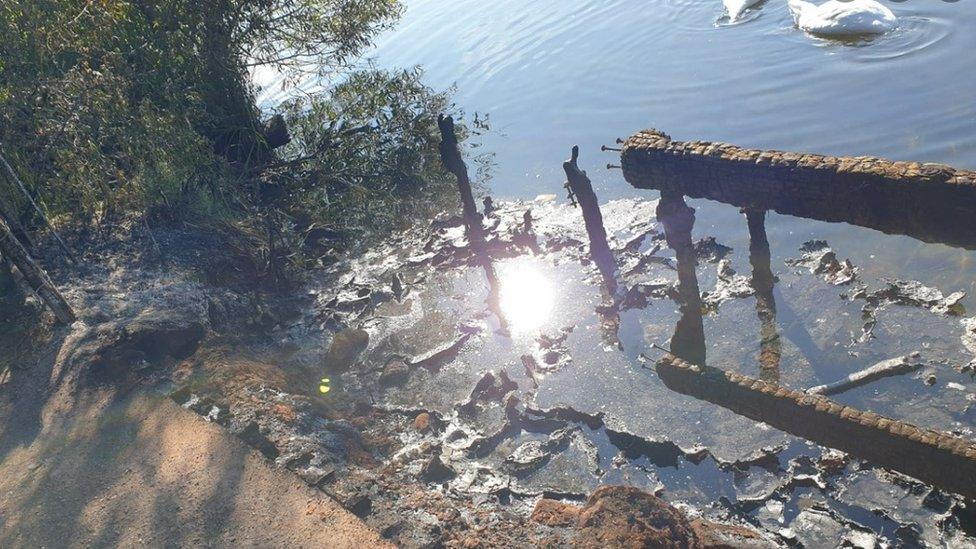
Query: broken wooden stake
[[451, 158], [581, 191], [14, 251]]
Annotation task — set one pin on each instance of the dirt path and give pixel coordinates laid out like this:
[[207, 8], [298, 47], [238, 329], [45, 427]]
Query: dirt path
[[140, 470]]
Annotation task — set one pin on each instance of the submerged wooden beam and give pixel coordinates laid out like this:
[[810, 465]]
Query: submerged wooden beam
[[930, 202], [885, 368], [938, 458]]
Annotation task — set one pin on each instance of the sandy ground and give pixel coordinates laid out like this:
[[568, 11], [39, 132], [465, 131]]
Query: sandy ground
[[139, 470]]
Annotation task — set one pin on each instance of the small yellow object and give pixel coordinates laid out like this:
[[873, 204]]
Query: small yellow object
[[324, 387]]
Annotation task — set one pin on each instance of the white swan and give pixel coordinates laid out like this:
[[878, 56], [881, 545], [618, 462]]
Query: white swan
[[737, 7], [842, 17]]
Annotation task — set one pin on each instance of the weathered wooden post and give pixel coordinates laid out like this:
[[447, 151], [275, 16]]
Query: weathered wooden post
[[770, 347], [451, 158], [581, 192], [678, 219], [14, 251]]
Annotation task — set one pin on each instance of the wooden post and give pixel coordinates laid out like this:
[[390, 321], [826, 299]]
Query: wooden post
[[451, 158], [770, 347], [581, 191], [14, 251]]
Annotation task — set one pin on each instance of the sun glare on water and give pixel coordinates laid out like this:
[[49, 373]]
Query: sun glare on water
[[526, 297]]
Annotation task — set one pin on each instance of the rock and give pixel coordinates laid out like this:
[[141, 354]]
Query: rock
[[394, 373], [421, 423], [623, 516], [437, 471], [117, 348], [276, 132], [252, 435], [554, 513], [712, 535], [346, 348]]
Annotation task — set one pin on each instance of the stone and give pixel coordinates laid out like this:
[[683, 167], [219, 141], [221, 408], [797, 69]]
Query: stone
[[394, 373], [346, 348], [555, 513], [623, 516], [435, 470], [421, 423], [713, 535]]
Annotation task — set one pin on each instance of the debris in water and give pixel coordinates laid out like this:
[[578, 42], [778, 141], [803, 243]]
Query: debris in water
[[707, 249], [820, 259], [728, 286], [969, 340], [915, 294], [885, 368]]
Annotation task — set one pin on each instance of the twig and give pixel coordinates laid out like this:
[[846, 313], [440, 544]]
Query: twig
[[660, 348], [159, 250], [885, 368]]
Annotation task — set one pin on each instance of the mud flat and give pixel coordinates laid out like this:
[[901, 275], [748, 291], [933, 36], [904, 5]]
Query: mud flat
[[390, 384]]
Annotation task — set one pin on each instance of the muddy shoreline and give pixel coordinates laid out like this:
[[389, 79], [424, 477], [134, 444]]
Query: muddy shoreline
[[390, 384]]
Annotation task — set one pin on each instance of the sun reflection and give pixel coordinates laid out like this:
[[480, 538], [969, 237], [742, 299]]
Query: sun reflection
[[526, 297]]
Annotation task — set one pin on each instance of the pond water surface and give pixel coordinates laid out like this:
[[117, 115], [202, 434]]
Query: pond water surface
[[551, 74]]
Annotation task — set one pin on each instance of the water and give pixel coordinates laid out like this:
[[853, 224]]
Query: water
[[555, 75], [552, 74], [610, 418]]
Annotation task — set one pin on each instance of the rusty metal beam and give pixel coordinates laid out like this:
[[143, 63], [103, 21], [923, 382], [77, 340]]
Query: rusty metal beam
[[934, 457], [930, 202]]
